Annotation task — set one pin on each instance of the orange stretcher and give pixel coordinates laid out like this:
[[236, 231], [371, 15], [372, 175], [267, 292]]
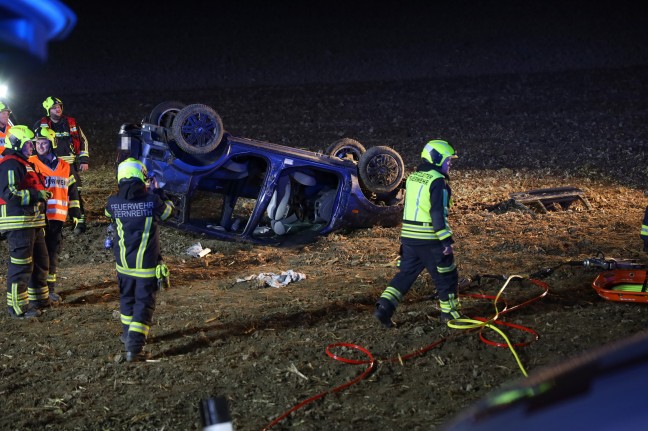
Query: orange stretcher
[[622, 285]]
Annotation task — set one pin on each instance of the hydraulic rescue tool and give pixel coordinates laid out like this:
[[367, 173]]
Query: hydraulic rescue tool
[[623, 280]]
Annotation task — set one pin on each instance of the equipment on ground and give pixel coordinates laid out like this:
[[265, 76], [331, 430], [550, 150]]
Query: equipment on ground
[[624, 280], [622, 285]]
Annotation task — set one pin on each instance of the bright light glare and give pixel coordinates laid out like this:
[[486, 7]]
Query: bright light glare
[[4, 90]]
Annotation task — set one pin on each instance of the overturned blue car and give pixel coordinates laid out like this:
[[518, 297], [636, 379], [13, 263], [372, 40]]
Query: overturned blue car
[[240, 189]]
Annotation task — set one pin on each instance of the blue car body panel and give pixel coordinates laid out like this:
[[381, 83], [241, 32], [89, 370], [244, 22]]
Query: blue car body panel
[[226, 194]]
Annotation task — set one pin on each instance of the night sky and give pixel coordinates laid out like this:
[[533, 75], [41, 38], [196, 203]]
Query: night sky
[[122, 45]]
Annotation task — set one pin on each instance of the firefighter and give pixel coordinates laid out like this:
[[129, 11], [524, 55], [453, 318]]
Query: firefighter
[[135, 212], [59, 181], [21, 193], [5, 124], [426, 238], [644, 231], [71, 145]]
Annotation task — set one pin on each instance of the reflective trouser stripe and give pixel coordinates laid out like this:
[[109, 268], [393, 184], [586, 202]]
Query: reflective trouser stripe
[[139, 327], [451, 306], [38, 293], [25, 261], [16, 300], [393, 295], [450, 268]]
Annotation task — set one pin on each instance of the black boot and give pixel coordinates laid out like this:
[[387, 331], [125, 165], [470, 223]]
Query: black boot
[[384, 312], [140, 356], [25, 313]]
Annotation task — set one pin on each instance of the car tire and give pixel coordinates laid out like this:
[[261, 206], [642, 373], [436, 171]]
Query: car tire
[[197, 129], [164, 113], [381, 170], [346, 149]]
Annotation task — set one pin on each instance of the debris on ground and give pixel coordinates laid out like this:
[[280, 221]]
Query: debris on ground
[[274, 280]]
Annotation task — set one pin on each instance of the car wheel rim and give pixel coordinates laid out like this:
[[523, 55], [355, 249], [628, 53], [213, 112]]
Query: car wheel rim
[[383, 169], [198, 130]]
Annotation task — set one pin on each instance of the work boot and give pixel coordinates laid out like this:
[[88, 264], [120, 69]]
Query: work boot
[[140, 356], [454, 314], [55, 298], [450, 309], [27, 313], [41, 303], [384, 311], [124, 339]]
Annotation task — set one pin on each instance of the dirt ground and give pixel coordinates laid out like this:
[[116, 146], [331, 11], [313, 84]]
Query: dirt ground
[[265, 348]]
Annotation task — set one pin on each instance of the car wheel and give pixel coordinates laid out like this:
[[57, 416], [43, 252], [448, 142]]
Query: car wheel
[[197, 129], [381, 169], [346, 149], [164, 113]]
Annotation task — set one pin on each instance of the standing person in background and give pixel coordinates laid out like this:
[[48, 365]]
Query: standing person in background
[[644, 231], [21, 193], [5, 124], [426, 237], [71, 145], [135, 212], [59, 181]]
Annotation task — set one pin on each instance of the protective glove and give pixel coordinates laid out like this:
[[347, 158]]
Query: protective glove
[[447, 250], [44, 195], [75, 213], [162, 274]]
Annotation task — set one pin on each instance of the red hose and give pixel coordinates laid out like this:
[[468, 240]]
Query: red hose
[[364, 374], [371, 362]]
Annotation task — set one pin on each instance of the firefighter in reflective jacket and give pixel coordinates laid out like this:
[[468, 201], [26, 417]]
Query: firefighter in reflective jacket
[[60, 182], [644, 231], [22, 194], [135, 212], [71, 145], [426, 238], [5, 124]]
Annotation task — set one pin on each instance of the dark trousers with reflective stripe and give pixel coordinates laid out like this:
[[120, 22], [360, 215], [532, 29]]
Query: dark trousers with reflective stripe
[[415, 258], [53, 239], [137, 298], [28, 265], [74, 168]]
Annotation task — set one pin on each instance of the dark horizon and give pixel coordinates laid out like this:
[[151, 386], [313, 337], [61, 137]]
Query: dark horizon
[[138, 45]]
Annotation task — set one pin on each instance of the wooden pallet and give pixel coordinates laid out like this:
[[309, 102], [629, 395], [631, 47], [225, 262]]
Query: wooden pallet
[[552, 198]]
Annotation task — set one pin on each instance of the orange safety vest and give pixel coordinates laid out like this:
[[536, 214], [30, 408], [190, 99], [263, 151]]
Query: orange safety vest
[[3, 135], [57, 182]]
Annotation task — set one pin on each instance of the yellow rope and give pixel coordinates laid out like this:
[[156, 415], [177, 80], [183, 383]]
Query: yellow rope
[[465, 323]]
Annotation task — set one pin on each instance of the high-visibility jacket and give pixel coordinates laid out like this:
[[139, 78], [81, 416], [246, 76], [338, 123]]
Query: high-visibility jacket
[[19, 186], [425, 213], [71, 143], [136, 216], [644, 229], [3, 136], [60, 182]]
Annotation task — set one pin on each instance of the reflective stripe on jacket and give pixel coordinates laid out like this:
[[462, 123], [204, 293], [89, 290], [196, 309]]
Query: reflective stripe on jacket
[[417, 213], [137, 243], [71, 143], [19, 186], [58, 182]]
